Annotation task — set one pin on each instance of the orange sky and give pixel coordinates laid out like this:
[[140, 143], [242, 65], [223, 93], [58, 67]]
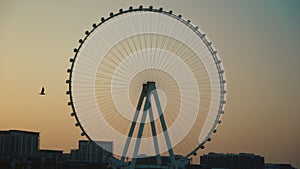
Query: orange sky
[[257, 41]]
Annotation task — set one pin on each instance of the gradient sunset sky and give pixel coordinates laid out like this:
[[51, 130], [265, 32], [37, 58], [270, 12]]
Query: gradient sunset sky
[[258, 42]]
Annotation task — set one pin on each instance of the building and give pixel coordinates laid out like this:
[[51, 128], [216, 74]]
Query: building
[[165, 160], [18, 144], [51, 159], [51, 154], [278, 166], [89, 151], [232, 161]]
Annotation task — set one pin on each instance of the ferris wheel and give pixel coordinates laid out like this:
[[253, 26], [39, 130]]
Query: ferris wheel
[[150, 82]]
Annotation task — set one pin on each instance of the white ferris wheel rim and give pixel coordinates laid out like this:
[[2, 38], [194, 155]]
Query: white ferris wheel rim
[[93, 58]]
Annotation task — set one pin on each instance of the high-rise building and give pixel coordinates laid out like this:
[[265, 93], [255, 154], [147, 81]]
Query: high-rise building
[[232, 161], [18, 144]]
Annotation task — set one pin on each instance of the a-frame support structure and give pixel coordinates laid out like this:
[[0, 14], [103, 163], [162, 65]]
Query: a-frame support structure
[[149, 89]]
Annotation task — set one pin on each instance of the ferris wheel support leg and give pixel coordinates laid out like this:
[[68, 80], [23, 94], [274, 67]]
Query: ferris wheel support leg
[[164, 127], [154, 134], [133, 124], [140, 132]]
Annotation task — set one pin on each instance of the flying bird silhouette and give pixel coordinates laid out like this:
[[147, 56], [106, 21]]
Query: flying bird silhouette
[[42, 91]]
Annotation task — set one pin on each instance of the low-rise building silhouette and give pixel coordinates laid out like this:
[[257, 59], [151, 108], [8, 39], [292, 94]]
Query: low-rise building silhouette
[[89, 151], [278, 166], [232, 161], [51, 154], [50, 159], [165, 160]]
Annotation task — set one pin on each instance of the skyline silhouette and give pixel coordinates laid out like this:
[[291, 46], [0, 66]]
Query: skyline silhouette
[[21, 147]]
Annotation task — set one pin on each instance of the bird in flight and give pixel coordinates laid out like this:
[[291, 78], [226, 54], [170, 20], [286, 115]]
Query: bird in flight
[[42, 91]]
